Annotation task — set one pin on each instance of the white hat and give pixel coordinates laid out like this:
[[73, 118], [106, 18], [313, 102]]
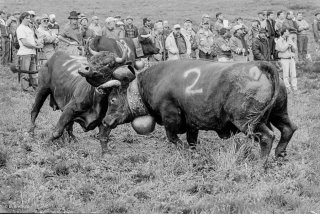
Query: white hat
[[95, 18], [176, 26], [110, 19], [120, 23], [31, 12], [52, 16], [237, 27]]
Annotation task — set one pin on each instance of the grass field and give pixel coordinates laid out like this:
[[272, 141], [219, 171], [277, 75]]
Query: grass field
[[146, 174]]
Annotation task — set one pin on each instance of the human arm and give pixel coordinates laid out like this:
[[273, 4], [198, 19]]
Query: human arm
[[25, 42], [281, 46]]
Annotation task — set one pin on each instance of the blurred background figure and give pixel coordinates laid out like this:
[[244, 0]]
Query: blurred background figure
[[120, 32], [191, 36], [131, 30], [177, 44], [109, 29], [95, 26], [86, 31], [238, 44], [223, 43], [302, 37], [53, 25], [5, 40], [316, 30]]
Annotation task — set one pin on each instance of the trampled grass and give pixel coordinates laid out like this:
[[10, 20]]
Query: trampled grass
[[146, 174]]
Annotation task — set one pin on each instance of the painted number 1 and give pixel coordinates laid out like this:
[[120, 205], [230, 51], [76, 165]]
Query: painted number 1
[[189, 89]]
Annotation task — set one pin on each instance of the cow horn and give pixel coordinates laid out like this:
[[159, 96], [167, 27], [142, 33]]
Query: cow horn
[[124, 72], [92, 52], [124, 54], [109, 84]]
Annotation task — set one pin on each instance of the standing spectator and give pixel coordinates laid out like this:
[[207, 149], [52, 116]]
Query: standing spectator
[[223, 43], [12, 28], [27, 52], [109, 29], [166, 29], [292, 26], [95, 26], [238, 45], [271, 33], [71, 35], [316, 29], [205, 42], [219, 23], [33, 24], [191, 36], [302, 38], [49, 38], [279, 22], [145, 31], [239, 21], [131, 30], [260, 48], [84, 28], [120, 30], [177, 44], [262, 19], [159, 42], [253, 32], [53, 25], [286, 48], [4, 37], [16, 14]]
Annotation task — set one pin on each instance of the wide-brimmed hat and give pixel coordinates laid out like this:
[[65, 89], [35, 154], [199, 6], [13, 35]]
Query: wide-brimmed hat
[[74, 15], [176, 26], [110, 19], [237, 27], [31, 12], [44, 16], [188, 20], [119, 23], [95, 18], [129, 17]]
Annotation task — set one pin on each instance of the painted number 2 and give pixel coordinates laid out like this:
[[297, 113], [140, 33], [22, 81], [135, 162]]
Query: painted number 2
[[190, 89]]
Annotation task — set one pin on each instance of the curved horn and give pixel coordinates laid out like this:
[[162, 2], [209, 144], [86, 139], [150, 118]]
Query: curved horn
[[109, 84], [92, 52], [123, 58], [124, 72]]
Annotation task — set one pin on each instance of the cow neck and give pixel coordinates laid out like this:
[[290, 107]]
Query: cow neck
[[134, 98]]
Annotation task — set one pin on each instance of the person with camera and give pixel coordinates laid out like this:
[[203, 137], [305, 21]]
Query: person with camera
[[286, 52]]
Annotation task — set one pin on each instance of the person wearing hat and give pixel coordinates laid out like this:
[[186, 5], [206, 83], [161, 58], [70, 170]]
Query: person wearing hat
[[166, 29], [12, 24], [159, 41], [177, 44], [191, 36], [109, 29], [16, 14], [95, 26], [27, 52], [48, 38], [84, 28], [316, 29], [238, 44], [286, 48], [253, 32], [53, 25], [131, 31], [223, 44], [71, 36], [120, 30], [260, 47], [205, 42]]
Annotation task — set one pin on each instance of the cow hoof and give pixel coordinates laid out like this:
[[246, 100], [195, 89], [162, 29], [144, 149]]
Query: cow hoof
[[182, 145], [281, 154]]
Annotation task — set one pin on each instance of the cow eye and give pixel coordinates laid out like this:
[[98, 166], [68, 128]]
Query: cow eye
[[113, 100]]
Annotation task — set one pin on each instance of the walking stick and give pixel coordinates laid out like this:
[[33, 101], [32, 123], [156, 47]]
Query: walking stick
[[10, 48]]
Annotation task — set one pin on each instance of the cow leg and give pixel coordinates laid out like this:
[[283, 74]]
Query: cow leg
[[103, 137], [41, 96], [192, 137], [171, 117], [287, 128], [69, 129], [266, 140], [66, 117]]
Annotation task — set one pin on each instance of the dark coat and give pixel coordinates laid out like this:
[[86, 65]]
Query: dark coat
[[261, 49]]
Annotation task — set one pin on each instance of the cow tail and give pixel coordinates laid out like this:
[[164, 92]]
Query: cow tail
[[272, 71]]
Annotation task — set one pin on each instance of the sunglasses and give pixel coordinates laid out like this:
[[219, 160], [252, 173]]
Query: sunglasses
[[32, 16], [45, 20]]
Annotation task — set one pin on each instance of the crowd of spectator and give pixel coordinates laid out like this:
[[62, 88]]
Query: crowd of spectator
[[28, 38]]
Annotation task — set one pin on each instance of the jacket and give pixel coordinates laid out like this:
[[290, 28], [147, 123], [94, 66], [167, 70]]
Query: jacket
[[261, 49], [205, 42], [171, 46], [291, 25], [282, 45], [303, 27]]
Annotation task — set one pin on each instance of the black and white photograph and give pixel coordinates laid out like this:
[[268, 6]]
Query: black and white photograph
[[169, 106]]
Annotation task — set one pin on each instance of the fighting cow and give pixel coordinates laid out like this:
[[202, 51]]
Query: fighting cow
[[188, 96], [77, 97]]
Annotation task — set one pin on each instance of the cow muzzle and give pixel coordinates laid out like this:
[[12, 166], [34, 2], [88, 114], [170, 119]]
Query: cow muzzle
[[86, 72], [109, 122]]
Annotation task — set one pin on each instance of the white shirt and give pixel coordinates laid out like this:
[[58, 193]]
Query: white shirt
[[24, 32], [3, 22]]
